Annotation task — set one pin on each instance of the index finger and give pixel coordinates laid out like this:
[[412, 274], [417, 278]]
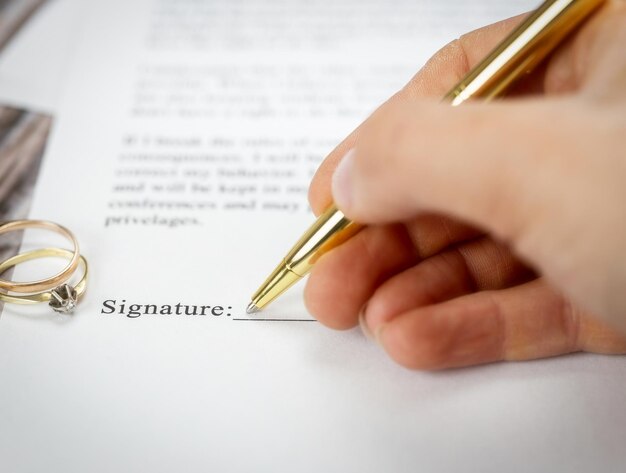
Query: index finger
[[438, 75]]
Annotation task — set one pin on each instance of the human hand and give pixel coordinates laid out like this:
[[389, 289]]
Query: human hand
[[496, 230]]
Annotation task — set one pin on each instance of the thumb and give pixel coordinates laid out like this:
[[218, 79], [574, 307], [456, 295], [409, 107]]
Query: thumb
[[486, 164]]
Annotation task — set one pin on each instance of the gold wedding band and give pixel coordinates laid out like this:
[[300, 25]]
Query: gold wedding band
[[53, 281], [62, 298]]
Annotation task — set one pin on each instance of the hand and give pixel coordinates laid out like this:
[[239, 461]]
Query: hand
[[497, 231]]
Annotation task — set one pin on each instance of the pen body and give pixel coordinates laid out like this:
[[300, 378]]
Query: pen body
[[522, 50], [331, 229]]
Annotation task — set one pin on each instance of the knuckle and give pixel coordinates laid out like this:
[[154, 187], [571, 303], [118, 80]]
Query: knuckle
[[420, 349]]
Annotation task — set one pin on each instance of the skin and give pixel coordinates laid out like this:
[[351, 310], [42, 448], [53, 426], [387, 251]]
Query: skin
[[496, 231]]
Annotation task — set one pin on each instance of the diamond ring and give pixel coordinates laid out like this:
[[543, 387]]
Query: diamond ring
[[63, 298]]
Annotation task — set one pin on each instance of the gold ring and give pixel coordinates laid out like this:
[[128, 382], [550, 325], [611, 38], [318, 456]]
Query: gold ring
[[53, 281], [62, 298]]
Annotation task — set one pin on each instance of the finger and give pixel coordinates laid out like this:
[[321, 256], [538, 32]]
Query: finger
[[431, 233], [437, 76], [478, 163], [345, 278], [521, 323], [478, 265]]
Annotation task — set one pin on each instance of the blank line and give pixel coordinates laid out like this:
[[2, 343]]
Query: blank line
[[278, 320]]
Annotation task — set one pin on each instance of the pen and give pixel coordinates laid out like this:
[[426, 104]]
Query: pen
[[518, 54]]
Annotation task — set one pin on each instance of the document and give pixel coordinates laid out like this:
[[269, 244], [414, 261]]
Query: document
[[180, 156]]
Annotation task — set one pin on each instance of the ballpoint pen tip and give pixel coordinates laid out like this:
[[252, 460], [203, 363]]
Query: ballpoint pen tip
[[252, 308]]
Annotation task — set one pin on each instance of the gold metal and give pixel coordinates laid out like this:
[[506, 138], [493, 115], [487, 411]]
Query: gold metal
[[44, 296], [329, 230], [53, 281], [522, 50]]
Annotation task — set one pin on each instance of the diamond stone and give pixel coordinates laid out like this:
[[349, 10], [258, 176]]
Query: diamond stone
[[63, 299]]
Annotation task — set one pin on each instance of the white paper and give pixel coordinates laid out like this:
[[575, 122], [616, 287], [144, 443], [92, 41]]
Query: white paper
[[181, 157]]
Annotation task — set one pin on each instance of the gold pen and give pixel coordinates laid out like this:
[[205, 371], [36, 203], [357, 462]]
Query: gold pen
[[516, 55]]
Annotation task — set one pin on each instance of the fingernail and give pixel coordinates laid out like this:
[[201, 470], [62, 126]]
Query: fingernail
[[378, 336], [363, 324], [342, 181], [365, 328]]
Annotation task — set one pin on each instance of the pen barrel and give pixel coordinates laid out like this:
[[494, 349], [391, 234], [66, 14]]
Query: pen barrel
[[330, 230], [523, 49]]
